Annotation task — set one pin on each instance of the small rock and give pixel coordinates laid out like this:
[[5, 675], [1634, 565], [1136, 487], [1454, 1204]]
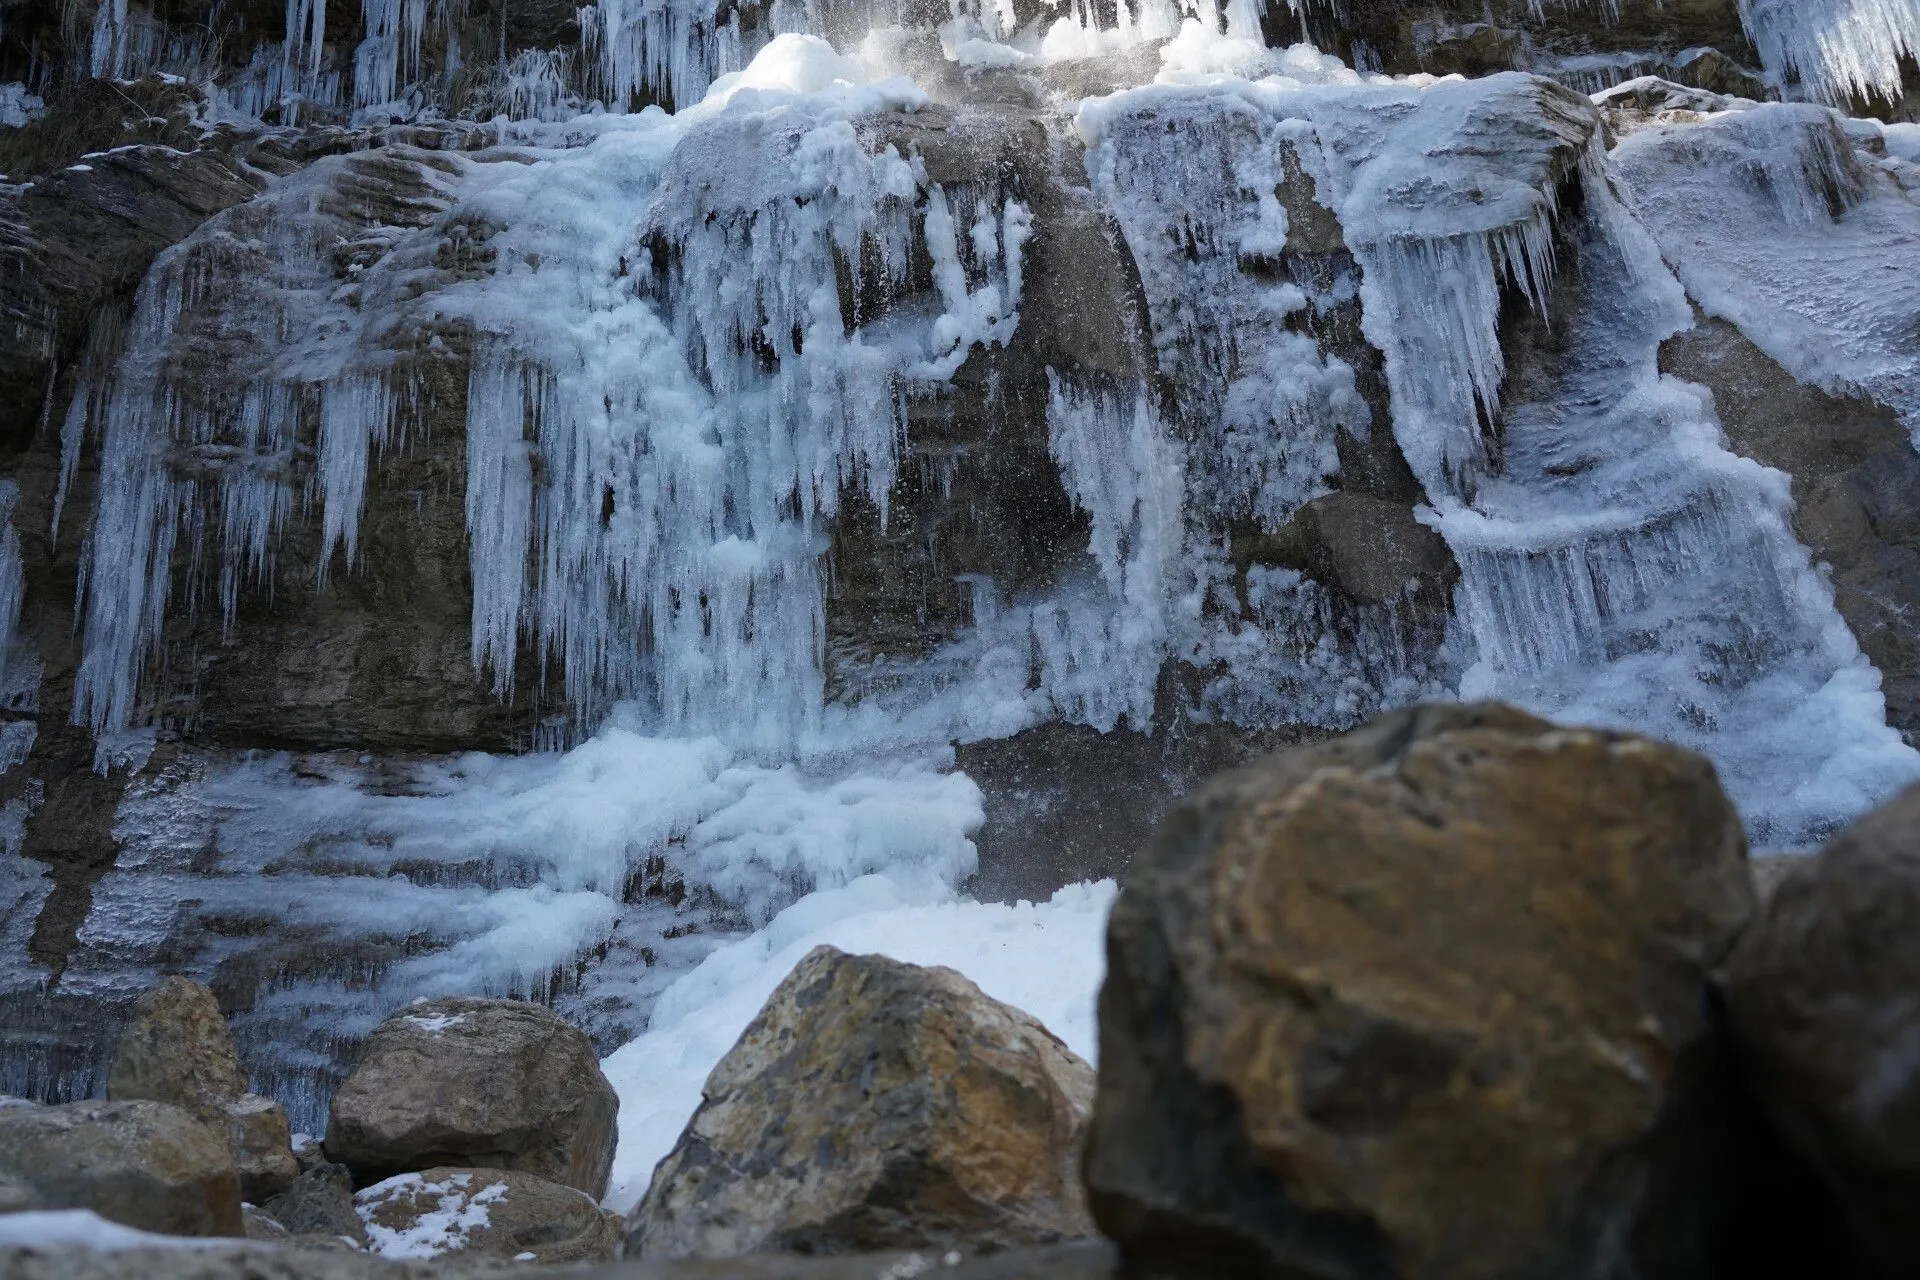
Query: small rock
[[261, 1225], [500, 1213], [146, 1164], [466, 1082], [320, 1202], [876, 1105], [178, 1049], [1425, 1001], [1822, 998]]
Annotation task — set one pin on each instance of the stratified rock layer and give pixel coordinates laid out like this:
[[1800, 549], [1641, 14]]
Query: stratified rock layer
[[1426, 1000], [876, 1105]]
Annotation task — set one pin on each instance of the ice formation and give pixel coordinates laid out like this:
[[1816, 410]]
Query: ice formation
[[690, 340], [1837, 49]]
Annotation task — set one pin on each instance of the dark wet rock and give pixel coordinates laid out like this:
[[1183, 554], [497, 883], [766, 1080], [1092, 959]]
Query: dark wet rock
[[873, 1105], [1820, 994], [473, 1083], [1426, 1000], [319, 1202], [145, 1164]]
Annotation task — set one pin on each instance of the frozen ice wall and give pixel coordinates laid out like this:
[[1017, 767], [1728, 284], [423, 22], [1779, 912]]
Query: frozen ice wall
[[1836, 49]]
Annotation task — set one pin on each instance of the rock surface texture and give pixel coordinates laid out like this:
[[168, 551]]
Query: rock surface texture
[[874, 1105], [496, 1213], [319, 1202], [496, 1084], [1427, 1000], [178, 1049], [146, 1164], [1821, 997]]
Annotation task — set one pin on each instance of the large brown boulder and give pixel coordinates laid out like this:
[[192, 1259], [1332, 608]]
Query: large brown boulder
[[145, 1164], [1427, 1000], [178, 1049], [497, 1213], [1822, 999], [876, 1105], [473, 1083]]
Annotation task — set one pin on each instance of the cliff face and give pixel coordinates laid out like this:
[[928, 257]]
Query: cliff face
[[1113, 400]]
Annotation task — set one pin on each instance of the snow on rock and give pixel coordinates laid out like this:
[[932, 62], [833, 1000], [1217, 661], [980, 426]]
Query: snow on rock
[[442, 1213], [1045, 959], [85, 1229], [1784, 221]]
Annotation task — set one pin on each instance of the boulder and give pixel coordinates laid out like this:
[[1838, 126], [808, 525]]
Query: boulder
[[1426, 1000], [320, 1202], [487, 1212], [261, 1225], [473, 1083], [1821, 998], [178, 1049], [145, 1164], [876, 1105]]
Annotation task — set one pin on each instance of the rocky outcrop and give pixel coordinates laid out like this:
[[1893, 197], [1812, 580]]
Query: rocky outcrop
[[466, 1082], [178, 1049], [319, 1203], [487, 1213], [875, 1105], [1426, 1000], [1820, 994], [146, 1164]]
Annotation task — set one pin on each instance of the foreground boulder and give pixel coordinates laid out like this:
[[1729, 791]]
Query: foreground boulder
[[178, 1049], [1824, 998], [1428, 1000], [498, 1213], [473, 1083], [145, 1164], [876, 1105]]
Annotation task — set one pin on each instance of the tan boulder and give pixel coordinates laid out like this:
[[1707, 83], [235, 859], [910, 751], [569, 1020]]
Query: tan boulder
[[145, 1164], [499, 1213], [475, 1083], [1427, 1000], [178, 1049], [1824, 999], [876, 1105]]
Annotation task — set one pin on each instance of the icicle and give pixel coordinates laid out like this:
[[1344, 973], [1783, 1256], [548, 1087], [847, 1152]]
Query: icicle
[[356, 416], [1838, 49], [13, 581]]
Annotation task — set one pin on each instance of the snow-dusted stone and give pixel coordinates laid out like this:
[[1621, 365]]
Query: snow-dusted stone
[[145, 1164], [488, 1212], [468, 1082], [178, 1049], [875, 1105], [1427, 1000], [1821, 997]]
